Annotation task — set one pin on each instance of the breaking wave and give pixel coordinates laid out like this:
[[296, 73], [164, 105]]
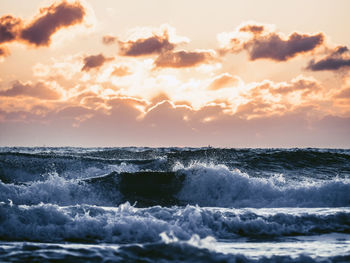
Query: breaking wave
[[202, 184], [128, 224]]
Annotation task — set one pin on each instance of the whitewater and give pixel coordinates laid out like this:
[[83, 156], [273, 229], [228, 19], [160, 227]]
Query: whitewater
[[174, 205]]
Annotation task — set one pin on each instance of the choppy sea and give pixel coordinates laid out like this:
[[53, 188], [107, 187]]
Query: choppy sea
[[174, 205]]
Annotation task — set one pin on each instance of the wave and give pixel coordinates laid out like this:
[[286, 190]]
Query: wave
[[293, 163], [128, 224], [29, 167], [216, 185], [155, 252], [202, 184], [174, 204], [19, 165]]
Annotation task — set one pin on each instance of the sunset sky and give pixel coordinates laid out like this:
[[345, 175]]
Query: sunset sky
[[175, 73]]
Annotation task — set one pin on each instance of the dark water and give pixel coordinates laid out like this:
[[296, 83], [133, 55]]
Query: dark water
[[174, 205]]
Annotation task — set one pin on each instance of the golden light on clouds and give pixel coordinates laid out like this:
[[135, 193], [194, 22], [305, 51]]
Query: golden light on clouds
[[87, 69]]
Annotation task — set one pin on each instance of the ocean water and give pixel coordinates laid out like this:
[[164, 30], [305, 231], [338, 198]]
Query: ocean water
[[174, 205]]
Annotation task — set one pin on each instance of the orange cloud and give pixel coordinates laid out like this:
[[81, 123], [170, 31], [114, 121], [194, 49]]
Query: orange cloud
[[4, 52], [343, 94], [268, 98], [166, 124], [301, 84], [223, 81], [270, 113], [120, 71]]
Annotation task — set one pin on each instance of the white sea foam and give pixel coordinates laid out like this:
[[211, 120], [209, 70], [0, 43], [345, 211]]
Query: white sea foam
[[125, 223], [55, 190], [203, 184], [217, 185]]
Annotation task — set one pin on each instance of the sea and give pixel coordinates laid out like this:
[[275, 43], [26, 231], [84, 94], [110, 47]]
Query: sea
[[139, 204]]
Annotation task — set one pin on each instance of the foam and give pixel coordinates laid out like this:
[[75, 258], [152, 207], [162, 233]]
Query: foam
[[154, 252], [202, 184], [56, 190], [128, 224], [217, 185]]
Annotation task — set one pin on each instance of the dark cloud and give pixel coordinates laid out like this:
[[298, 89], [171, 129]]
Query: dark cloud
[[94, 61], [38, 90], [262, 44], [50, 20], [40, 30], [339, 58], [181, 59], [328, 64], [108, 40], [255, 29], [275, 48], [9, 27], [341, 50], [146, 46]]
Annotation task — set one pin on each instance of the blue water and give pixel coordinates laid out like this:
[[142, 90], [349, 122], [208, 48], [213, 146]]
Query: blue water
[[174, 205]]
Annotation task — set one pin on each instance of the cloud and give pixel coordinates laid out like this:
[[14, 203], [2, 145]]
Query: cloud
[[39, 90], [262, 43], [94, 61], [9, 28], [268, 98], [343, 94], [143, 41], [223, 81], [275, 48], [146, 46], [252, 28], [269, 114], [299, 84], [181, 59], [162, 42], [76, 114], [120, 71], [339, 58], [50, 20], [38, 32], [166, 124], [4, 52], [108, 40]]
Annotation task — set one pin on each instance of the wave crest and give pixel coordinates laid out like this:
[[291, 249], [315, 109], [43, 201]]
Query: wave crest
[[217, 185]]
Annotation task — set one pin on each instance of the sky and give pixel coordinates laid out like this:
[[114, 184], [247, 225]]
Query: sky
[[103, 73]]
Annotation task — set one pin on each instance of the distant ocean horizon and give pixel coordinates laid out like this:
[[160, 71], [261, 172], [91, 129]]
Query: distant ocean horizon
[[174, 204]]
